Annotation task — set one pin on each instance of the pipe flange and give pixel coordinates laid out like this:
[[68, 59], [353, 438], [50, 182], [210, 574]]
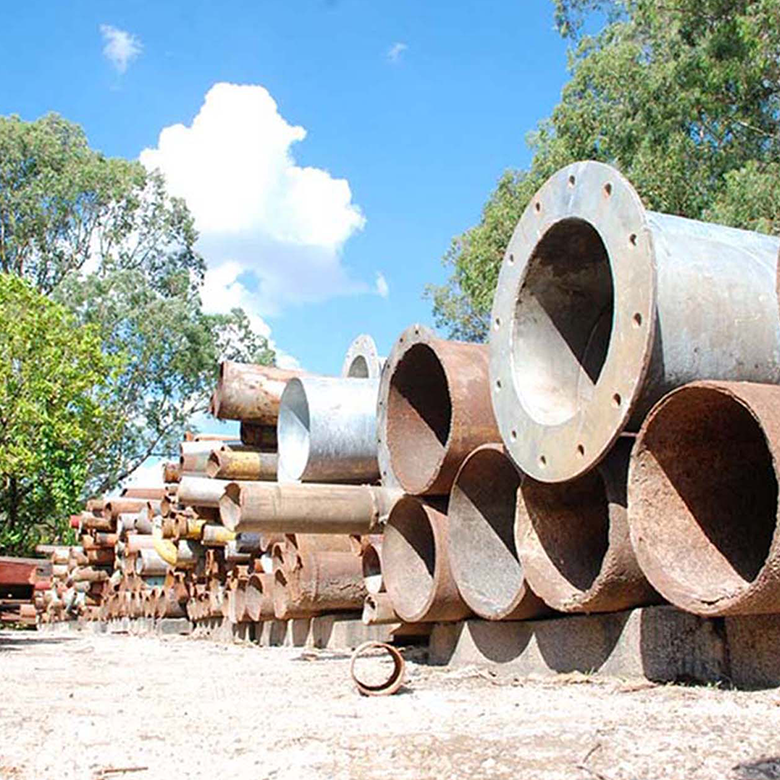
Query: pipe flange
[[362, 360], [573, 322]]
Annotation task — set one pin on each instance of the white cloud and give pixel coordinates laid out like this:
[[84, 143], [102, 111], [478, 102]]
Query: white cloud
[[121, 47], [382, 287], [395, 51]]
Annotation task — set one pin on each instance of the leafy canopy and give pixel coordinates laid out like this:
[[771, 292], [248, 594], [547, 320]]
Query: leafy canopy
[[682, 96]]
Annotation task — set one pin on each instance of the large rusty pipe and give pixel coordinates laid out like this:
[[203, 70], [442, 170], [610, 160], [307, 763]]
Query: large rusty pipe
[[433, 409], [305, 508], [362, 360], [602, 307], [327, 430], [482, 551], [415, 564], [249, 392], [703, 498], [573, 540], [246, 465]]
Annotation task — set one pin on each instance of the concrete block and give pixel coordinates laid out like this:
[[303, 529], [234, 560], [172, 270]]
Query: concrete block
[[753, 642], [173, 626], [344, 631]]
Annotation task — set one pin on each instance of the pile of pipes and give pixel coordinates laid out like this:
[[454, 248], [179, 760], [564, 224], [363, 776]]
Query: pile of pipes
[[19, 578], [613, 445]]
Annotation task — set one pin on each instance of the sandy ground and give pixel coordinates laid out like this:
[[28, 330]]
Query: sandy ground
[[175, 707]]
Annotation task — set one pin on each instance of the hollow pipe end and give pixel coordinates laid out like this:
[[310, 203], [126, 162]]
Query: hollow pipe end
[[362, 360], [392, 683], [230, 506]]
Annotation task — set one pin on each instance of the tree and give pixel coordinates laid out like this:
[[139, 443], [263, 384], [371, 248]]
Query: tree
[[682, 96], [55, 382], [102, 237]]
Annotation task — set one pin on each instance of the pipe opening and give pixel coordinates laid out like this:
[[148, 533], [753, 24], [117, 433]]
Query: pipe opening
[[571, 524], [230, 506], [294, 431], [482, 533], [409, 550], [706, 493], [419, 415], [372, 569], [358, 368], [563, 322]]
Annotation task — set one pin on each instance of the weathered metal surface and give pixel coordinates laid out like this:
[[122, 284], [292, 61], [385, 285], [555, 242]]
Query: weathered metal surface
[[433, 409], [415, 564], [171, 472], [241, 465], [378, 610], [387, 684], [305, 508], [201, 491], [602, 307], [703, 498], [17, 571], [149, 562], [259, 597], [573, 540], [217, 535], [362, 360], [327, 430], [249, 392], [371, 561], [482, 551], [152, 494], [261, 436]]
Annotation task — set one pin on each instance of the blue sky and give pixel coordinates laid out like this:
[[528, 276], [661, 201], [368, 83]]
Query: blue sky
[[411, 111]]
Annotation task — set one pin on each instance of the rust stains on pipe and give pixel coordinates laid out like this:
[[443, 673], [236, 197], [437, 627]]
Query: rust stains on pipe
[[385, 684], [308, 508], [259, 597], [703, 498], [573, 540], [171, 472], [249, 392], [151, 494], [483, 555], [434, 408], [415, 564], [236, 465]]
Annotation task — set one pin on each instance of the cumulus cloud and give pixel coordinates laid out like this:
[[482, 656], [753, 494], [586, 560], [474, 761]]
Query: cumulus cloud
[[272, 231], [395, 51], [121, 47], [382, 287]]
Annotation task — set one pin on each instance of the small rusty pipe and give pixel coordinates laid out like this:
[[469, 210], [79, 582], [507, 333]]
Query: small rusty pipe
[[305, 508], [320, 581], [215, 535], [259, 597], [433, 409], [703, 498], [246, 465], [415, 564], [249, 392], [327, 430], [362, 360], [148, 493], [201, 491], [148, 562], [573, 540], [602, 307], [171, 472], [387, 684], [489, 573]]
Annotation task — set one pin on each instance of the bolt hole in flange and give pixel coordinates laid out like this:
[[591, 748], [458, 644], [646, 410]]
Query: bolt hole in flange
[[572, 181], [542, 461], [608, 189], [616, 400], [581, 450], [637, 320]]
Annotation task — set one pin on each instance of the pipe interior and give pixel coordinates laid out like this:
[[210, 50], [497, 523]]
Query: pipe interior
[[706, 493], [563, 322], [570, 523], [409, 555], [419, 415], [358, 368], [372, 569], [294, 431], [482, 531]]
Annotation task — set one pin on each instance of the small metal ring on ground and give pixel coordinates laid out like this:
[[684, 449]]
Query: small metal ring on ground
[[392, 683]]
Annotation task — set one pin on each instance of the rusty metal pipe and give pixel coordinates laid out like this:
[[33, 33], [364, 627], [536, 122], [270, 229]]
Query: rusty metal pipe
[[259, 597], [703, 498], [201, 491], [327, 430], [306, 508], [433, 409], [371, 561], [415, 564], [378, 610], [263, 437], [595, 317], [246, 465], [249, 392], [484, 558], [149, 562], [573, 540], [387, 684]]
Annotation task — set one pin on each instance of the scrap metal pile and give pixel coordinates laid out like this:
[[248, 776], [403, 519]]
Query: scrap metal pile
[[615, 444]]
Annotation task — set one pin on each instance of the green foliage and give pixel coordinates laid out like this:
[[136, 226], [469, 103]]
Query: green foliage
[[102, 237], [55, 382], [683, 97]]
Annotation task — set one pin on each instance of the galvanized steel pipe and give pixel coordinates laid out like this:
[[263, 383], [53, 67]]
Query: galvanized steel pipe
[[482, 551], [415, 564], [573, 540], [327, 430], [602, 307], [305, 508], [433, 409], [703, 498]]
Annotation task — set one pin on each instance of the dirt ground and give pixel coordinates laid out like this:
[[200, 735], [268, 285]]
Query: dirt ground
[[175, 707]]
